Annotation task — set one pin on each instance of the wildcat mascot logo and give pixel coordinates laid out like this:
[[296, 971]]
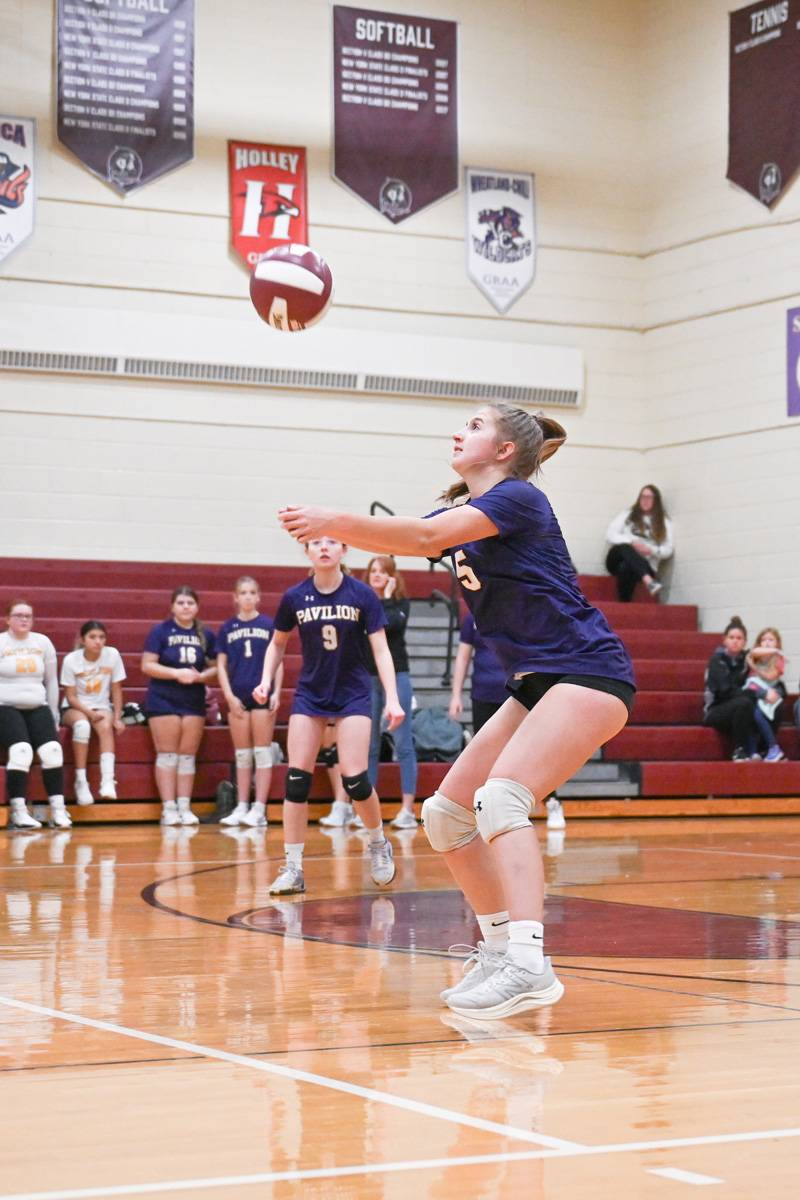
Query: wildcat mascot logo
[[501, 234], [16, 182]]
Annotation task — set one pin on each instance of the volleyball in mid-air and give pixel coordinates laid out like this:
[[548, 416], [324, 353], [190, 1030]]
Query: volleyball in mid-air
[[291, 287]]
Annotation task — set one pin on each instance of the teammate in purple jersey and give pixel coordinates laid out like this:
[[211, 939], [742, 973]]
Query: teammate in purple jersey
[[335, 614], [241, 649], [570, 679]]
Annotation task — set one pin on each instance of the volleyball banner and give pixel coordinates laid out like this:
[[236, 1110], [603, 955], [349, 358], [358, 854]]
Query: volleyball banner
[[501, 233], [764, 98], [17, 182], [125, 92], [395, 136], [793, 362], [269, 208]]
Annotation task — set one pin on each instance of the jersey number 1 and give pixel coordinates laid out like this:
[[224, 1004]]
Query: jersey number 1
[[465, 573]]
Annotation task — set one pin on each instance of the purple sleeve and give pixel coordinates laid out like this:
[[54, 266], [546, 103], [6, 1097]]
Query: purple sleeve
[[154, 642], [467, 633], [285, 617], [515, 506], [374, 616], [221, 640]]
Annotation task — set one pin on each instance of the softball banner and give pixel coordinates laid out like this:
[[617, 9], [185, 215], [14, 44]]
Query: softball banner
[[268, 198], [501, 233], [17, 181]]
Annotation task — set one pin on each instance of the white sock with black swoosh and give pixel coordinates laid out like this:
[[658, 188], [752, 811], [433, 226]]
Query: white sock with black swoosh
[[494, 928], [526, 944]]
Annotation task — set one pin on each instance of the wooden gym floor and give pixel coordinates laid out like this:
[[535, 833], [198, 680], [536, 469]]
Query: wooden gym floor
[[167, 1030]]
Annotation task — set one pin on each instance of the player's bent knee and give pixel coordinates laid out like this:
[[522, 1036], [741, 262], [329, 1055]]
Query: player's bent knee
[[244, 757], [50, 755], [20, 757], [167, 762], [502, 805], [186, 764], [262, 756], [329, 756], [448, 825], [298, 785], [81, 731], [358, 787]]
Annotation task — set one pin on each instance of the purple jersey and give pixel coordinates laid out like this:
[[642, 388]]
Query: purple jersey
[[522, 589], [244, 643], [178, 647], [488, 676], [334, 680]]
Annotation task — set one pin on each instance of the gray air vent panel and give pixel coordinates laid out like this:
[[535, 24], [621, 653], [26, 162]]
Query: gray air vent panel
[[278, 377], [462, 390], [40, 360]]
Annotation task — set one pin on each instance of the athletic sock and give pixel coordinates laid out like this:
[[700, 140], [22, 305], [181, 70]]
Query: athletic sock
[[80, 775], [494, 927], [526, 944], [294, 853], [376, 835], [107, 762]]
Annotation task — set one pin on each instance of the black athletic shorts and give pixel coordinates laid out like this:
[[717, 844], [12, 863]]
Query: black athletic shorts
[[32, 725], [530, 688]]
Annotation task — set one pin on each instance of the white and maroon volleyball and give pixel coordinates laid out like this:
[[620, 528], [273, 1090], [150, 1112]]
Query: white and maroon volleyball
[[291, 288]]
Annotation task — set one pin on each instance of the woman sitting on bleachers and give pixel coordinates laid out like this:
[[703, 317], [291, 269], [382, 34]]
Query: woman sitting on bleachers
[[726, 706], [91, 676], [641, 540]]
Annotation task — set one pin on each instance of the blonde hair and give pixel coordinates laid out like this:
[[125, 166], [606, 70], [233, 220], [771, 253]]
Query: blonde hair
[[387, 563], [535, 436], [246, 579], [770, 629]]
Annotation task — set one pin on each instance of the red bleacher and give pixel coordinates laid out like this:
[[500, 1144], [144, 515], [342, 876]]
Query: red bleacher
[[679, 759]]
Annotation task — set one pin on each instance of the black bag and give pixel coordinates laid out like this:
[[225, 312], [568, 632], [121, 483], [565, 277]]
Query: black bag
[[132, 714], [386, 752], [437, 737]]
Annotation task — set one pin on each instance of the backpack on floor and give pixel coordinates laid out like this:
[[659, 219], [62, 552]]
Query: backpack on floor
[[437, 737]]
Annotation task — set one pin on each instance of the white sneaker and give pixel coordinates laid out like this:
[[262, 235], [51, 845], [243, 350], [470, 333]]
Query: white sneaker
[[511, 989], [405, 819], [108, 790], [169, 813], [236, 817], [341, 814], [555, 814], [382, 868], [482, 963], [20, 818], [59, 817], [289, 879], [185, 814], [356, 822], [83, 793], [257, 816]]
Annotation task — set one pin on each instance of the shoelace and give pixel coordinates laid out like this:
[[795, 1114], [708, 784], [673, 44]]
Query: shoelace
[[516, 972], [479, 955]]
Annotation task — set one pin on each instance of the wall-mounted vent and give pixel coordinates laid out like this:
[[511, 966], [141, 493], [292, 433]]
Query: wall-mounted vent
[[277, 377], [42, 360], [397, 385]]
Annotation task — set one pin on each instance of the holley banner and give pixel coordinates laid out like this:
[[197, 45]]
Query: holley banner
[[17, 181], [501, 233], [126, 86], [268, 198], [395, 109], [764, 98], [793, 362]]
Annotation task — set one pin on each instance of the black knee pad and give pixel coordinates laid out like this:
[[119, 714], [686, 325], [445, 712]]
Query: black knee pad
[[328, 756], [358, 787], [298, 785]]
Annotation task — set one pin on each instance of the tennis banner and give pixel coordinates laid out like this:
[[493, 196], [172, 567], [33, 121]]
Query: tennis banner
[[125, 93], [17, 182], [395, 109], [267, 186], [501, 233], [764, 98]]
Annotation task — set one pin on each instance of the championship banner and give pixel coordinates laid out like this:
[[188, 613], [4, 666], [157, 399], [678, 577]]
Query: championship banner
[[764, 98], [126, 86], [501, 233], [268, 198], [17, 181], [395, 137], [793, 362]]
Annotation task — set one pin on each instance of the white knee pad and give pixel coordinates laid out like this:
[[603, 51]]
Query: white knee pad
[[244, 758], [500, 806], [447, 824], [167, 762], [186, 764], [81, 731], [263, 756], [20, 757], [51, 755]]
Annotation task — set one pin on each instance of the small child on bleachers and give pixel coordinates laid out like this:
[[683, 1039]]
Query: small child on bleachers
[[767, 666]]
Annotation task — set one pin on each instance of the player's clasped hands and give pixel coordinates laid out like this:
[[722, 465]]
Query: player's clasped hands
[[304, 521]]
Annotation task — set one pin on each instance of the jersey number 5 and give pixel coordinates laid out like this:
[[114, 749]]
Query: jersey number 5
[[329, 638], [465, 573]]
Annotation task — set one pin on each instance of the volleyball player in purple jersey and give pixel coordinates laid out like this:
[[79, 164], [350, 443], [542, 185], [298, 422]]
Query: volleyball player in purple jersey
[[570, 679], [241, 649], [335, 614]]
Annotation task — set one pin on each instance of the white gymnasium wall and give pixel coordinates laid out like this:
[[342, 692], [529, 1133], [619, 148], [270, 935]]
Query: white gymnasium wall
[[720, 272], [150, 471]]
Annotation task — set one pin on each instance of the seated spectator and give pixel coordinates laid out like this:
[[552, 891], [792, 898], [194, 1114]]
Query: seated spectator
[[767, 665], [92, 680], [726, 706], [641, 539]]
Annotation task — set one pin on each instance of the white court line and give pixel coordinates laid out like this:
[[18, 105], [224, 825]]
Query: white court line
[[429, 1164], [270, 1068], [684, 1176], [728, 853]]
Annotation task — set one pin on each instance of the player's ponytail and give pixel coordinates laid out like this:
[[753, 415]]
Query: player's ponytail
[[536, 438]]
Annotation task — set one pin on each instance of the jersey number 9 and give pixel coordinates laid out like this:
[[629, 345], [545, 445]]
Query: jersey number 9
[[329, 639]]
